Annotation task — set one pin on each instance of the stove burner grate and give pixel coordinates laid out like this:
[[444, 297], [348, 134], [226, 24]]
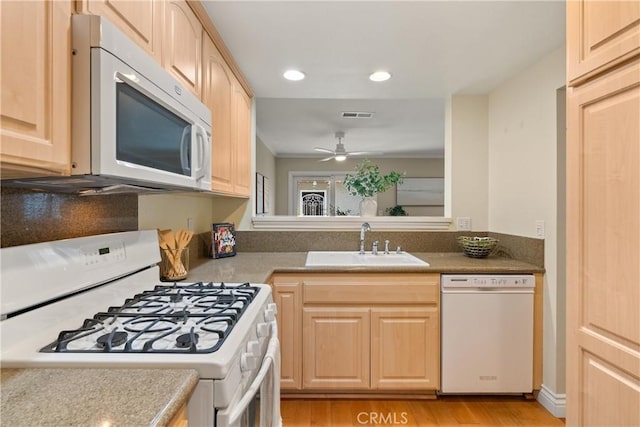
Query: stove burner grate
[[178, 318]]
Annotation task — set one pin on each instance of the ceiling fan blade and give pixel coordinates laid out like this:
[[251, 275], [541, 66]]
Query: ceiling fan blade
[[323, 150], [328, 158], [361, 153]]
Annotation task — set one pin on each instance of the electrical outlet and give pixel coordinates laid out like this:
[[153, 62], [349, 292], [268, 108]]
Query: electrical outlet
[[190, 224], [540, 228], [463, 223]]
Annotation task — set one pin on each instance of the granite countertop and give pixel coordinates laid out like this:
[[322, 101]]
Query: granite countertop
[[257, 267], [93, 397]]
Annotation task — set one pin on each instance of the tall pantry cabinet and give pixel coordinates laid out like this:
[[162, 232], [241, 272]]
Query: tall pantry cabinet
[[35, 49], [603, 213]]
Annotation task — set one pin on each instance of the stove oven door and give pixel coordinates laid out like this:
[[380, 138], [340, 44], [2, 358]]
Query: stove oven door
[[259, 405]]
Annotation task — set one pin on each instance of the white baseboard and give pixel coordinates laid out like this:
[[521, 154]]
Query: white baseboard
[[554, 403]]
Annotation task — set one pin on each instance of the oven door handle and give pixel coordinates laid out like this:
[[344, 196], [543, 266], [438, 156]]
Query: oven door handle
[[271, 361]]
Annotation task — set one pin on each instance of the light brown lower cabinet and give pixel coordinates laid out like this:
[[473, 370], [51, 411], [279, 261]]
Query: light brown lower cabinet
[[403, 356], [360, 332], [287, 294], [335, 348], [180, 419]]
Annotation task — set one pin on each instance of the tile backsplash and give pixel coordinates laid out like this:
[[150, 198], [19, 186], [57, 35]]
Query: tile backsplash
[[32, 217], [510, 246]]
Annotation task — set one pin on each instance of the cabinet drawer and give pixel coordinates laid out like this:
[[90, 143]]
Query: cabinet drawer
[[373, 288]]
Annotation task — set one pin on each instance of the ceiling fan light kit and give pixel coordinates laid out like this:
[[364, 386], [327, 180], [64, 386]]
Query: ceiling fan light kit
[[340, 154]]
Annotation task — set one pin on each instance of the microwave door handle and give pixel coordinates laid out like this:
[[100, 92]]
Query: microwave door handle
[[203, 150], [184, 154]]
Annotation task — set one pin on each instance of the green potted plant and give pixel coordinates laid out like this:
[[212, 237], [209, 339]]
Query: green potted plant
[[397, 210], [367, 182]]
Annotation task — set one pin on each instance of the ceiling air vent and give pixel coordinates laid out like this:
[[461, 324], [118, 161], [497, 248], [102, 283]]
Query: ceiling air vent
[[356, 115]]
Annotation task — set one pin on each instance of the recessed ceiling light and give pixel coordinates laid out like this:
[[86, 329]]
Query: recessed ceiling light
[[293, 75], [380, 76]]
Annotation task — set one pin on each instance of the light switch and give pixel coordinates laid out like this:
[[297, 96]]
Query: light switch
[[463, 223]]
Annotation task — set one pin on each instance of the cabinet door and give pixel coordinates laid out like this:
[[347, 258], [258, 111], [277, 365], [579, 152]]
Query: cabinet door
[[140, 20], [182, 44], [35, 93], [601, 34], [288, 297], [180, 419], [242, 142], [603, 231], [218, 95], [405, 348], [336, 348]]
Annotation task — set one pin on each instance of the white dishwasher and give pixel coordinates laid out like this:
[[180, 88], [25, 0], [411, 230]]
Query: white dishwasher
[[487, 334]]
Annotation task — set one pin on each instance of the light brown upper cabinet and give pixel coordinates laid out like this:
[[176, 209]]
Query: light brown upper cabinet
[[182, 44], [140, 20], [217, 94], [604, 34], [242, 141], [36, 88], [231, 124]]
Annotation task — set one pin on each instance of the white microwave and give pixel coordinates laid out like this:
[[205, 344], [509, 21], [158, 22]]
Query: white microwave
[[132, 123]]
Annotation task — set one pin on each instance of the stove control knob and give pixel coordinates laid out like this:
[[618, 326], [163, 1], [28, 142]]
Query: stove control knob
[[263, 330], [273, 307], [253, 347], [248, 362], [269, 315]]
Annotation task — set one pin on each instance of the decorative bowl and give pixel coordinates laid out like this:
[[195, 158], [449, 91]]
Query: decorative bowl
[[477, 247]]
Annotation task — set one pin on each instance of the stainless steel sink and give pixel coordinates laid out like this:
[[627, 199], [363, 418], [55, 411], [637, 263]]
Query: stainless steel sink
[[354, 259]]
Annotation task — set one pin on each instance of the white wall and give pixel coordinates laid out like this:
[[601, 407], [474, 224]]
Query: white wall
[[173, 211], [266, 165], [522, 180], [467, 159]]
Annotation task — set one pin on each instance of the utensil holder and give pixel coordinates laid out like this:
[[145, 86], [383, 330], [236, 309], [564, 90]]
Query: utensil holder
[[174, 264]]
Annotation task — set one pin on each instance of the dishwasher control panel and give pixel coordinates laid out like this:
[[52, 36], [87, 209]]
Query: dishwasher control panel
[[488, 281]]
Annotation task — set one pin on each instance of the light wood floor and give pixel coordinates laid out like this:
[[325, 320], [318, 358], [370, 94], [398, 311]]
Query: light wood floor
[[445, 411]]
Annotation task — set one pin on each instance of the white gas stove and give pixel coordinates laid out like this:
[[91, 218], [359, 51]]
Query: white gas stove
[[97, 302]]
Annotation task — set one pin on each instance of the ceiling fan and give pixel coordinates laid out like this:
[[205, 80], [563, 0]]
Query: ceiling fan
[[340, 154]]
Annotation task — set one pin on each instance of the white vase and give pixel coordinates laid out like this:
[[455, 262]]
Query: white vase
[[368, 206]]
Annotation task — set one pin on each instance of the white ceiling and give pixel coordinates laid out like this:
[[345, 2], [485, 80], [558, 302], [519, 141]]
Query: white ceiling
[[432, 48]]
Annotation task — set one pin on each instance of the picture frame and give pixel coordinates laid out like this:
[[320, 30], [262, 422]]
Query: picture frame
[[266, 191], [420, 192], [223, 240], [259, 194]]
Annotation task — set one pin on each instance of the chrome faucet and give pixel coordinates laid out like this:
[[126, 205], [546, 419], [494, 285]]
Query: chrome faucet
[[374, 249], [364, 228]]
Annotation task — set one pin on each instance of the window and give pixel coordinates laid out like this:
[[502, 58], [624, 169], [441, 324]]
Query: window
[[308, 190], [313, 202]]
